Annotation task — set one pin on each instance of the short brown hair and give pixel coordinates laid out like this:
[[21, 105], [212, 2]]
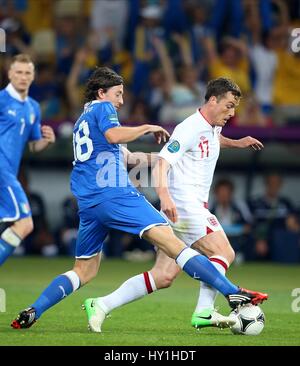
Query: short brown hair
[[22, 57], [220, 86]]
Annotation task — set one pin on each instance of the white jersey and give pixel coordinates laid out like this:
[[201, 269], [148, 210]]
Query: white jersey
[[192, 152]]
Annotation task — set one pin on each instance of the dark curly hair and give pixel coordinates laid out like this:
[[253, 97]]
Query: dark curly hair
[[102, 78], [219, 87]]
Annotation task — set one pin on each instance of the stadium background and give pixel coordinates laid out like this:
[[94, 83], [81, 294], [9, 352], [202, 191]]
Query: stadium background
[[166, 50]]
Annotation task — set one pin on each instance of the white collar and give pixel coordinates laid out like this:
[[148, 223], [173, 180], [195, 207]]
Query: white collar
[[13, 93]]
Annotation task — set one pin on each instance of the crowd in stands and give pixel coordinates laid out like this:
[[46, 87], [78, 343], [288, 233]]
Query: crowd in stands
[[166, 50]]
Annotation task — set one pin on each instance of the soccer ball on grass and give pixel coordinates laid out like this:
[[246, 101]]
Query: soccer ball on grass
[[249, 320]]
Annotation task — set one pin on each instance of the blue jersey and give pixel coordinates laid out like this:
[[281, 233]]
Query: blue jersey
[[20, 121], [99, 173]]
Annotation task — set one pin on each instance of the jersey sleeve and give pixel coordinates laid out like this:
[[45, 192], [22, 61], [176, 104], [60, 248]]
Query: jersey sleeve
[[107, 117], [35, 133], [180, 141]]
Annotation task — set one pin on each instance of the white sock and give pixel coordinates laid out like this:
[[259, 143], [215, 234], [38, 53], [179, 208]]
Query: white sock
[[208, 294], [132, 289]]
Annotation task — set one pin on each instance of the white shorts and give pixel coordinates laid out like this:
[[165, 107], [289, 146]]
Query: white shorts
[[194, 222]]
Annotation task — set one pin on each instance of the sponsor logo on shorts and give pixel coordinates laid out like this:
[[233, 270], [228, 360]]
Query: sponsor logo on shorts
[[213, 221], [174, 147]]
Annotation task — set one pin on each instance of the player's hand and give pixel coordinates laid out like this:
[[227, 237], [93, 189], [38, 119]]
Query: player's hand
[[168, 207], [48, 134], [160, 134], [250, 142]]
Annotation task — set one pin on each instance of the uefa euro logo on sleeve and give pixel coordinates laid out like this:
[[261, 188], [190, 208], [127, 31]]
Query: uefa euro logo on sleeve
[[2, 40], [174, 147]]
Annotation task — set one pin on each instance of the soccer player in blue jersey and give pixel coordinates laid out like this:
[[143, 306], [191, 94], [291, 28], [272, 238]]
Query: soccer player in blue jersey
[[20, 122], [107, 199]]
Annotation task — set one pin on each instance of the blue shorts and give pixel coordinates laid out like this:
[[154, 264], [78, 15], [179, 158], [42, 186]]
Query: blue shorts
[[132, 214], [14, 204]]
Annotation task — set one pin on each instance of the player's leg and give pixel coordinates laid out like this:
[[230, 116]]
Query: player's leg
[[217, 248], [15, 219], [160, 276], [199, 267], [122, 214], [135, 214], [88, 247]]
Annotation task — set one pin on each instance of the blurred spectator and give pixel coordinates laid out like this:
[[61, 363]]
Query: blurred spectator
[[139, 112], [68, 40], [234, 216], [271, 212], [263, 58], [145, 54], [85, 61], [198, 29], [46, 91], [184, 92], [227, 18], [37, 15], [17, 38], [109, 17], [286, 84], [252, 115], [41, 240], [156, 94], [232, 62]]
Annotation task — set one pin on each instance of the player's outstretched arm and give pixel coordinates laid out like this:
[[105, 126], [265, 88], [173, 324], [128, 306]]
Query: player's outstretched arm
[[160, 177], [241, 143], [132, 159], [48, 137], [121, 135]]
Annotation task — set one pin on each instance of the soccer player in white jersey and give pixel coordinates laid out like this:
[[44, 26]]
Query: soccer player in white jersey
[[20, 122], [107, 199], [183, 176]]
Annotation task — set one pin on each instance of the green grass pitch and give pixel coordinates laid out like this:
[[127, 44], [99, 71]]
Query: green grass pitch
[[161, 319]]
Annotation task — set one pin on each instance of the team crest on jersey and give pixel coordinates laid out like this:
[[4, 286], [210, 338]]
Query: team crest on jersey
[[25, 208], [174, 146], [32, 118], [213, 221]]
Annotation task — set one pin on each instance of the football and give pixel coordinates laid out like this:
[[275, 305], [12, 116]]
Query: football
[[250, 320]]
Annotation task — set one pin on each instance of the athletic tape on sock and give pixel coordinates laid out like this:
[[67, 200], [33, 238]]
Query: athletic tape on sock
[[10, 237]]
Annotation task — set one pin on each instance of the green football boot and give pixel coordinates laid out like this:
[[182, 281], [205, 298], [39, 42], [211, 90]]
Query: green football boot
[[95, 314], [211, 318]]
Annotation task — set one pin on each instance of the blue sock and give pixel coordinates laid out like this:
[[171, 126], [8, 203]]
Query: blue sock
[[58, 289], [5, 250], [200, 268]]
